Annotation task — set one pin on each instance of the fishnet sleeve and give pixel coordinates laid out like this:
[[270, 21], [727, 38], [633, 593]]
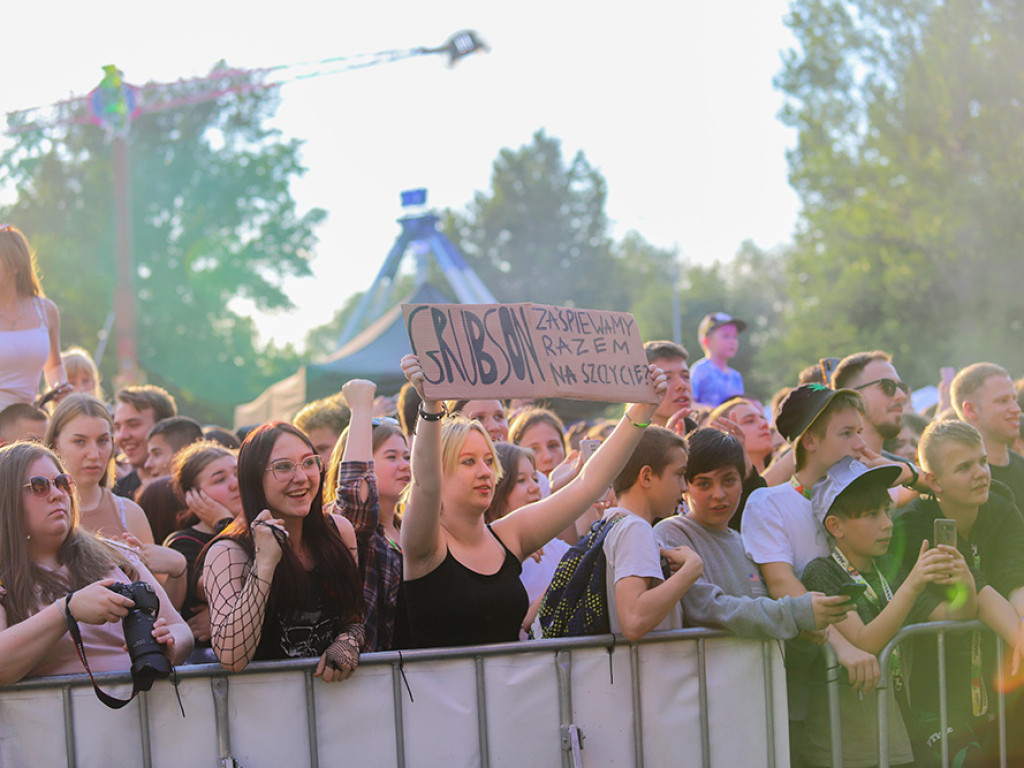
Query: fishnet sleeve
[[238, 602], [343, 653]]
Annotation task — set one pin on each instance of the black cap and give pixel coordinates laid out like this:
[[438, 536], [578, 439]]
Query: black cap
[[799, 409]]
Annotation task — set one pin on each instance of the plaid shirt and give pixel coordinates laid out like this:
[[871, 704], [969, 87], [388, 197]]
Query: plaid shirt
[[380, 561]]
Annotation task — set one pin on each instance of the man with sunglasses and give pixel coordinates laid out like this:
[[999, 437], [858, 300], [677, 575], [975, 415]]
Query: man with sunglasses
[[873, 375], [886, 396]]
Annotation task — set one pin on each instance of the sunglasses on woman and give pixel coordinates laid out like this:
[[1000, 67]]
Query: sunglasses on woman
[[41, 485], [888, 386]]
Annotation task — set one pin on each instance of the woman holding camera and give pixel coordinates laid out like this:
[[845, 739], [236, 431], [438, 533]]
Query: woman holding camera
[[51, 568], [282, 580]]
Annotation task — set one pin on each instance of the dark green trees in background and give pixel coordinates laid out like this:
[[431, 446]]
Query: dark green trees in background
[[909, 164], [540, 233], [213, 220]]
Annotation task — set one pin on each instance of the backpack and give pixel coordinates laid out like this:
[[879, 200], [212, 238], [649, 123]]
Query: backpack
[[576, 602]]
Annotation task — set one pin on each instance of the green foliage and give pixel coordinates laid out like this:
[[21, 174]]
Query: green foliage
[[213, 220], [540, 233], [908, 163]]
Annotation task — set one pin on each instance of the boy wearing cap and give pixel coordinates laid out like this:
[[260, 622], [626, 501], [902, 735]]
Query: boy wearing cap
[[990, 535], [854, 502], [713, 380], [730, 593], [782, 534]]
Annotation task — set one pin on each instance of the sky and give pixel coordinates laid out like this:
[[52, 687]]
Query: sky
[[672, 102]]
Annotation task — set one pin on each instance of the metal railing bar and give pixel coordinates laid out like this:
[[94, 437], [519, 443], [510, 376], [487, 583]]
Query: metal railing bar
[[381, 658], [69, 726], [219, 686], [147, 746], [314, 741], [835, 727], [563, 667], [769, 701], [943, 713], [481, 711], [396, 694], [702, 703], [638, 715]]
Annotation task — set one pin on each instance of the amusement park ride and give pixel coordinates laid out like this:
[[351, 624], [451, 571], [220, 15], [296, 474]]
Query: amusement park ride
[[114, 104]]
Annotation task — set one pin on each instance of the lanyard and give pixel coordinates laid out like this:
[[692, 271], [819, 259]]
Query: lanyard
[[896, 660], [979, 694], [805, 492]]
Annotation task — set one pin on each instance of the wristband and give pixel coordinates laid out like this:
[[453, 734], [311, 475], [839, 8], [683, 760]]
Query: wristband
[[431, 416], [913, 480], [643, 425]]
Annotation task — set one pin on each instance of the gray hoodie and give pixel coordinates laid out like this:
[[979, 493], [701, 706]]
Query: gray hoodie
[[730, 594]]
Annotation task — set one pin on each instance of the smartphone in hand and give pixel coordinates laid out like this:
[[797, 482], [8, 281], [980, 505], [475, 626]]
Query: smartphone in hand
[[853, 591], [944, 532]]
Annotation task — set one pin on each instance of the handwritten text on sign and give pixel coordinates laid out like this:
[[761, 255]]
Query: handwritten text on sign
[[483, 351]]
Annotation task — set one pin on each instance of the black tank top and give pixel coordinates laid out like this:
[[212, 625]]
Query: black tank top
[[453, 605], [300, 634]]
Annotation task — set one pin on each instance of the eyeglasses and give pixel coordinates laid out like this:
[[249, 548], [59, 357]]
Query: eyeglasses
[[41, 485], [384, 420], [889, 386], [284, 470]]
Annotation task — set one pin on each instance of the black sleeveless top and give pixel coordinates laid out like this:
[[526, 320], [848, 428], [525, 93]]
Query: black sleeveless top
[[453, 605]]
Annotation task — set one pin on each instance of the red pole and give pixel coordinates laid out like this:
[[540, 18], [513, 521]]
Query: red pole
[[125, 326]]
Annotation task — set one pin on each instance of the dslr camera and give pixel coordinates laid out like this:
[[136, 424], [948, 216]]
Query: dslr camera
[[148, 660]]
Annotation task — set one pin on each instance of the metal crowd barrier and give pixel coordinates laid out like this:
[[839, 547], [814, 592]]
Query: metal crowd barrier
[[594, 701], [939, 629]]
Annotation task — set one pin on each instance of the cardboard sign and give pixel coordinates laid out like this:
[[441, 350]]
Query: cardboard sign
[[484, 351]]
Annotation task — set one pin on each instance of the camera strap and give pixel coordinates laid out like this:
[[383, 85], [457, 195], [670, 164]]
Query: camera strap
[[111, 701], [76, 635]]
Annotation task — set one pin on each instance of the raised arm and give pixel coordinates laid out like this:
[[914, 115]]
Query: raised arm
[[359, 396], [53, 371], [422, 540], [530, 527]]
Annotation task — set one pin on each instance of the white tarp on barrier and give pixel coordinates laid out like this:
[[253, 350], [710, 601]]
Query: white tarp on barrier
[[356, 722]]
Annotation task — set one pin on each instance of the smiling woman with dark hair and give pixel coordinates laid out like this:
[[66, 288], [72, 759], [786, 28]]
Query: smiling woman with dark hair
[[282, 580]]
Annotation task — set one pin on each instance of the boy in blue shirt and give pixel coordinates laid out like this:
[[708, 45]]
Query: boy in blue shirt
[[713, 380]]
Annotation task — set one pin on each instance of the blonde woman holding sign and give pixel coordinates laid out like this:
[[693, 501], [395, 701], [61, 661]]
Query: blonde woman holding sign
[[462, 575]]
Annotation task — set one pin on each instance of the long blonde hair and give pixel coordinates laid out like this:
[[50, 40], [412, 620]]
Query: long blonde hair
[[20, 260], [76, 362], [28, 585], [70, 408]]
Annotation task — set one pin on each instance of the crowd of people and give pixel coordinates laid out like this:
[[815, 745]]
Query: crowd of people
[[836, 514]]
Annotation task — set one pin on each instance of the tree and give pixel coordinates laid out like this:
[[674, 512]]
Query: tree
[[908, 164], [213, 220], [540, 233]]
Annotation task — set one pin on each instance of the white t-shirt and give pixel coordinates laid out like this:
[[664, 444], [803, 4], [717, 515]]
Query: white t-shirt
[[631, 549], [779, 526], [537, 576]]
